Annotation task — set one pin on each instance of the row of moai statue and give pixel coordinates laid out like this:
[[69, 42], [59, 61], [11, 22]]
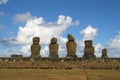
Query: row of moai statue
[[70, 45]]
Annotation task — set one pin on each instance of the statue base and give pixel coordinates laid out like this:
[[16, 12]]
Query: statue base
[[71, 58], [35, 57], [89, 57], [53, 58]]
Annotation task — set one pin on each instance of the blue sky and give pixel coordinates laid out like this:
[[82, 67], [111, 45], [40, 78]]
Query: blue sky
[[98, 20]]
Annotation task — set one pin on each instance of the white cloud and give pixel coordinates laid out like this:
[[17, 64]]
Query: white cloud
[[22, 17], [25, 50], [114, 46], [45, 30], [115, 42], [98, 49], [38, 27], [89, 33], [62, 46], [80, 48], [3, 1]]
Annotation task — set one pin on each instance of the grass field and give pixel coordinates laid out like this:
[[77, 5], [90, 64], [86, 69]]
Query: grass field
[[59, 74]]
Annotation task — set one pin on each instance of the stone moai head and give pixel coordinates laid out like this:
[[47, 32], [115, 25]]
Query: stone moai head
[[36, 40], [88, 43], [70, 37], [104, 52], [53, 40]]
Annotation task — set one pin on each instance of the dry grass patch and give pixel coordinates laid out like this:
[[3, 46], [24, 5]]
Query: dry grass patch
[[58, 74]]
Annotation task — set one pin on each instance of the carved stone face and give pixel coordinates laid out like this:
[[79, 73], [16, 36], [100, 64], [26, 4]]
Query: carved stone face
[[53, 40], [36, 40], [88, 43], [70, 37], [104, 51]]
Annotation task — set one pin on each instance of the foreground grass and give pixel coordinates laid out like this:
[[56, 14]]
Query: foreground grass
[[58, 74]]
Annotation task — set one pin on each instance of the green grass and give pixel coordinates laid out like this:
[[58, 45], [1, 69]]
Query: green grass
[[58, 74]]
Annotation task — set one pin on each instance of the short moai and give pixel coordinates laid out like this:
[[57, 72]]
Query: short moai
[[53, 48], [71, 47], [89, 49], [35, 49], [104, 53]]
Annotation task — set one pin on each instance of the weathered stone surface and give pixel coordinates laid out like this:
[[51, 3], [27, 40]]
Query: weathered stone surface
[[71, 46], [36, 40], [53, 40], [89, 49], [35, 49], [88, 43], [53, 48], [104, 53], [70, 38]]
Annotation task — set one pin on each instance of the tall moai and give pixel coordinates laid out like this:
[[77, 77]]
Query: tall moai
[[104, 53], [71, 47], [53, 48], [35, 49], [89, 49]]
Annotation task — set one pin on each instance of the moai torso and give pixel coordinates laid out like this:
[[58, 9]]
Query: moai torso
[[71, 45], [104, 53], [35, 48], [89, 49], [53, 48]]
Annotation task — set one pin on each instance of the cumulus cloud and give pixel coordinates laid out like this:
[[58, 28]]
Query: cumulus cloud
[[45, 30], [25, 50], [38, 27], [114, 46], [3, 1], [23, 17], [115, 42], [89, 33], [98, 49]]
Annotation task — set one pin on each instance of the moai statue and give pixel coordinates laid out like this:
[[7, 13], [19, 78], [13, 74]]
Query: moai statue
[[53, 48], [89, 49], [71, 47], [35, 49], [104, 53]]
